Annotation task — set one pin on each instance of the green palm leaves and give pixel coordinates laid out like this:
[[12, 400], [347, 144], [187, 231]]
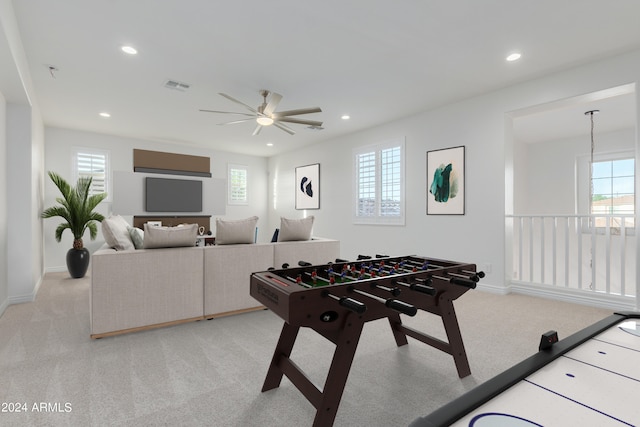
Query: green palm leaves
[[76, 207]]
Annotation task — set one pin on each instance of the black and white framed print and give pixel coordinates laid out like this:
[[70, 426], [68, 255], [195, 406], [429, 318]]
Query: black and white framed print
[[308, 187]]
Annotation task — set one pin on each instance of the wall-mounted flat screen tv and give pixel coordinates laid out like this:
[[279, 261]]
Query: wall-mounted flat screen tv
[[173, 195]]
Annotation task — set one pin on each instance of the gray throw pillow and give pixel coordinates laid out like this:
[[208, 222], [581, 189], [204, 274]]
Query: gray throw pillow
[[137, 237]]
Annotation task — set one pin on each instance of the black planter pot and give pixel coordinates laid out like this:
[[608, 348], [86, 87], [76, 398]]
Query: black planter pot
[[78, 262]]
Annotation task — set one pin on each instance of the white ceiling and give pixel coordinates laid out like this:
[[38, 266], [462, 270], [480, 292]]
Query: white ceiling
[[374, 60]]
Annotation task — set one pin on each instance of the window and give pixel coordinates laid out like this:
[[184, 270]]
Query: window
[[237, 178], [379, 184], [89, 162], [613, 190]]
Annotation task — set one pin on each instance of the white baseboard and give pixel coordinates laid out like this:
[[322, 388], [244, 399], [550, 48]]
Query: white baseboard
[[494, 289], [58, 269], [3, 306], [576, 296], [30, 297]]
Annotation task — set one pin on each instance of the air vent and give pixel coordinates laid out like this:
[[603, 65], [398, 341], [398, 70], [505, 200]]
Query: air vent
[[174, 84]]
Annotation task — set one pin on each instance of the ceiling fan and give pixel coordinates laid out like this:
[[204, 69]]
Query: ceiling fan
[[265, 114]]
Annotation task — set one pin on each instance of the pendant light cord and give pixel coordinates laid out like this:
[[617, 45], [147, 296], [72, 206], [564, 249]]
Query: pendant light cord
[[593, 146]]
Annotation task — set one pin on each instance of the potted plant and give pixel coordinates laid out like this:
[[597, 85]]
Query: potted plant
[[76, 207]]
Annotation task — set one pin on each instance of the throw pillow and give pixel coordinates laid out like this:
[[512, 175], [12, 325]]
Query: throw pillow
[[137, 237], [116, 235], [295, 229], [229, 232], [170, 237]]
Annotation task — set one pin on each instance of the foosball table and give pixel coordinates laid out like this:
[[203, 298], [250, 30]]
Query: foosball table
[[338, 298]]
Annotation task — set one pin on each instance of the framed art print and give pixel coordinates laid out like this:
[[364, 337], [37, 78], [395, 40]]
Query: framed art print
[[445, 181], [308, 187]]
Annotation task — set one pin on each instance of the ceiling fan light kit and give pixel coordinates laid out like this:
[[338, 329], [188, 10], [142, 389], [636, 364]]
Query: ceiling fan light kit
[[264, 121], [265, 114]]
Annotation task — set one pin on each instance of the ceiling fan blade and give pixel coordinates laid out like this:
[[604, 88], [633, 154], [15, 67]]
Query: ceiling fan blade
[[257, 130], [230, 98], [297, 112], [300, 121], [274, 100], [284, 128], [228, 112], [235, 121]]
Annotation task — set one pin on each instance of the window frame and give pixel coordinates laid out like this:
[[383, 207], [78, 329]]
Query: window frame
[[603, 159], [377, 149], [230, 186], [584, 191], [76, 173]]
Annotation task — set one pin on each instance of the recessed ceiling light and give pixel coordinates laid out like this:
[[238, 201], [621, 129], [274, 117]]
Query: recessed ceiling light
[[345, 117], [269, 144], [513, 57], [130, 50], [105, 114]]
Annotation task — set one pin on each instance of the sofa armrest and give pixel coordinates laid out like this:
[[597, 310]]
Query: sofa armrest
[[133, 289]]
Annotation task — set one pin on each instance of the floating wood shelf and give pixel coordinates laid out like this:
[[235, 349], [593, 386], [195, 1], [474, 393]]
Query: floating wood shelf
[[170, 163]]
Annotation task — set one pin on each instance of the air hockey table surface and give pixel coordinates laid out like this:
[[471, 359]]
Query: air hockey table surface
[[591, 378]]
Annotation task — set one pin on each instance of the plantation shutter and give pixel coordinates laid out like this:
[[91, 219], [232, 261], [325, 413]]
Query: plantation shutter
[[237, 185], [94, 164]]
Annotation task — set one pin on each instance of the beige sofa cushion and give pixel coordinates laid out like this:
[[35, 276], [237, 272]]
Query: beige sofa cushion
[[295, 229], [116, 233], [170, 237], [229, 232]]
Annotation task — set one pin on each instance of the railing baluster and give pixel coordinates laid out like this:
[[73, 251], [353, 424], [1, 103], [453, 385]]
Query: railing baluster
[[566, 252], [520, 243], [554, 237], [592, 258], [623, 254], [531, 249], [580, 225], [542, 240], [607, 254]]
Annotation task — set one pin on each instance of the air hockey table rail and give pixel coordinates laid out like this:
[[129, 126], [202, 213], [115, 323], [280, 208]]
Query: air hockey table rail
[[470, 405]]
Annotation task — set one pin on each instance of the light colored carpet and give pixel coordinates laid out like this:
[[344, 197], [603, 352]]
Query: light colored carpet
[[210, 373]]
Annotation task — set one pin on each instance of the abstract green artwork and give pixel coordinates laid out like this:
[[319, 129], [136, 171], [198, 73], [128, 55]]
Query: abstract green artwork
[[445, 181]]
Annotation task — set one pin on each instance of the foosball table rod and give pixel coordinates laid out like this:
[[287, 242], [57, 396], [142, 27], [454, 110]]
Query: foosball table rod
[[394, 304]]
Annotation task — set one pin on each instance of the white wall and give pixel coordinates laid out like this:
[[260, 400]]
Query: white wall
[[24, 148], [482, 125], [548, 175], [440, 236], [58, 158], [24, 193]]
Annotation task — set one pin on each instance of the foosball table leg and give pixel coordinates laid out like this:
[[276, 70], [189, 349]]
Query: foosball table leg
[[346, 345], [398, 334], [456, 345], [283, 349]]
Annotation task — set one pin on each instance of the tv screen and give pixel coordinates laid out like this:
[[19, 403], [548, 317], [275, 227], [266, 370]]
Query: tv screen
[[173, 195]]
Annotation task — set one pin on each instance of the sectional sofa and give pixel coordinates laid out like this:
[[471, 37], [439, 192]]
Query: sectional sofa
[[137, 289]]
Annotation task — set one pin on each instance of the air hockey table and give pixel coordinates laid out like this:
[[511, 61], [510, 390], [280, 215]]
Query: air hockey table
[[591, 378]]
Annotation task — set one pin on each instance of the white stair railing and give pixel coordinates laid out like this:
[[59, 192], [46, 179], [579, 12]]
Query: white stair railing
[[590, 253]]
